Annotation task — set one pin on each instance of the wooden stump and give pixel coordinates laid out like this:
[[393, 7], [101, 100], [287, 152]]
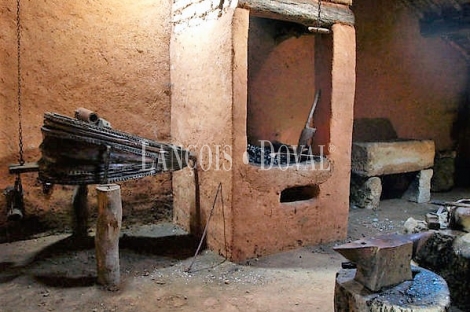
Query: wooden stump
[[427, 292], [108, 226]]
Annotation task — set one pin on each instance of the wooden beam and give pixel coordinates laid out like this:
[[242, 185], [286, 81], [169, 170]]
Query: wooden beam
[[300, 11], [27, 167]]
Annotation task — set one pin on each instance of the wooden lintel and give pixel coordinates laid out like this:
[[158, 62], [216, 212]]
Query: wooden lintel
[[300, 11]]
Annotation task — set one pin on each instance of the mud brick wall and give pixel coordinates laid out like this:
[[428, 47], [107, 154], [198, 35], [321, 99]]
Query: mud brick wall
[[192, 13], [108, 56]]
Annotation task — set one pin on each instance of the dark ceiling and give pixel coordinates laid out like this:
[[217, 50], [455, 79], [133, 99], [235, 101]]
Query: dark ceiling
[[448, 19]]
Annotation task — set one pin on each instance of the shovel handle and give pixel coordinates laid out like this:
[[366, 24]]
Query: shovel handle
[[312, 110]]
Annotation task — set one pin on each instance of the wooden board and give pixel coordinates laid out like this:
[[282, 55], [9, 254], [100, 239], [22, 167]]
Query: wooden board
[[27, 167], [299, 11]]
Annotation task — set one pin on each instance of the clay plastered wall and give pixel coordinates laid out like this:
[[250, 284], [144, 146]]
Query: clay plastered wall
[[108, 56], [281, 82], [417, 82], [201, 75]]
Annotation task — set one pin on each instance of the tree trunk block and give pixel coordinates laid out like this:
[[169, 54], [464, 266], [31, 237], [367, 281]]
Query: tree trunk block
[[427, 292], [108, 226], [447, 253]]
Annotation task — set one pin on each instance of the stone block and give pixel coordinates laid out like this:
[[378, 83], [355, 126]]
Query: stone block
[[419, 190], [365, 193], [381, 158], [444, 169], [461, 219]]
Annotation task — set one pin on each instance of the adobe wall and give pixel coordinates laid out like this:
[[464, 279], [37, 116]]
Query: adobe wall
[[201, 108], [111, 57], [282, 83], [414, 81]]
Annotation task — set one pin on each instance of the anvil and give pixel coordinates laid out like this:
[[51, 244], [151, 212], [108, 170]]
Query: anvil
[[381, 261]]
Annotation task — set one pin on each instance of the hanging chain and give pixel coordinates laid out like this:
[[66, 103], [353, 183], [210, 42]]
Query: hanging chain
[[18, 38], [319, 14]]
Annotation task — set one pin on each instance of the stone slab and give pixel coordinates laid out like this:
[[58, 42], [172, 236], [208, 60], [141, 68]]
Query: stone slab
[[381, 158]]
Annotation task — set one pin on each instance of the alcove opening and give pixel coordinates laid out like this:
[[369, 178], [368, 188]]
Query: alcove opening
[[287, 65], [299, 193]]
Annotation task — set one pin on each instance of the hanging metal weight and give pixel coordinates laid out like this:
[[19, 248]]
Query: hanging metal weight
[[14, 199]]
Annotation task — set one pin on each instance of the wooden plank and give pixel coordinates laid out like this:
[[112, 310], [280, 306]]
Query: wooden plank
[[449, 203], [300, 11], [27, 167]]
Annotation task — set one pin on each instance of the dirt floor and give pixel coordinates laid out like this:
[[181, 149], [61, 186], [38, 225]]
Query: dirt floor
[[51, 272]]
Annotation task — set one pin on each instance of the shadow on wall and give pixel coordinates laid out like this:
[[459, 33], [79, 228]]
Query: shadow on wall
[[461, 137]]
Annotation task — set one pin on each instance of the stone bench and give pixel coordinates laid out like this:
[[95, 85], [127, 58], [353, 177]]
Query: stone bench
[[377, 151]]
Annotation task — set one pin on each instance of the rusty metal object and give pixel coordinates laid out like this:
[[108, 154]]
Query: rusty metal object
[[458, 213], [15, 203], [384, 260], [78, 152], [308, 132], [381, 261], [87, 115]]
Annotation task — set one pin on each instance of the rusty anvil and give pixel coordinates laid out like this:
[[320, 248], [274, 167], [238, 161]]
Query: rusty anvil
[[384, 260]]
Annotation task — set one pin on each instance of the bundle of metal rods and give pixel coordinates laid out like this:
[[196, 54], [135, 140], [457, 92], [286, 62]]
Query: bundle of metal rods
[[78, 152], [276, 156]]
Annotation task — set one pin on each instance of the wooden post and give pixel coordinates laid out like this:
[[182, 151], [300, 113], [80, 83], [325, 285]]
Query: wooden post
[[108, 226], [80, 211]]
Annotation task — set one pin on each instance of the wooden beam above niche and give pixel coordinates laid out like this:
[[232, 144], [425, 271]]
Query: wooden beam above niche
[[300, 11]]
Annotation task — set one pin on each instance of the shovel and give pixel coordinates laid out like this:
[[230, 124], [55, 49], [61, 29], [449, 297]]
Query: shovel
[[308, 132]]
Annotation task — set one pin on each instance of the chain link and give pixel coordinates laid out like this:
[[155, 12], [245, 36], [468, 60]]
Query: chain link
[[20, 126], [319, 13]]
